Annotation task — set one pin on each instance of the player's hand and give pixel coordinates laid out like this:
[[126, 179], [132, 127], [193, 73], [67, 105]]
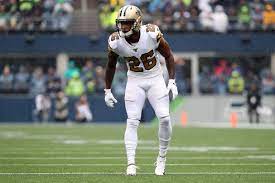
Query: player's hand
[[109, 98], [173, 88]]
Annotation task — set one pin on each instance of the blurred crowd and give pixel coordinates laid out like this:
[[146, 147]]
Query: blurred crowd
[[79, 78], [225, 77], [69, 96], [197, 15], [58, 109], [217, 76], [54, 93], [35, 15]]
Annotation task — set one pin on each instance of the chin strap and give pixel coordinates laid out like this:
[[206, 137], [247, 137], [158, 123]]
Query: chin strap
[[127, 34]]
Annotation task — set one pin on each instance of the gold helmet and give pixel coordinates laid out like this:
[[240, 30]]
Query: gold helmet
[[129, 13]]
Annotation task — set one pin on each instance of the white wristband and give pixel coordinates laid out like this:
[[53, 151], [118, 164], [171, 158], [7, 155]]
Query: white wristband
[[107, 91], [172, 81]]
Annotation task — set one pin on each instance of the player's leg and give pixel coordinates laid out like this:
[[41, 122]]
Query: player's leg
[[250, 115], [257, 116], [134, 101], [159, 100]]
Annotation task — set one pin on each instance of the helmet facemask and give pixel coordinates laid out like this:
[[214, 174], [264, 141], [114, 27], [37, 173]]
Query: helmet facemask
[[119, 27]]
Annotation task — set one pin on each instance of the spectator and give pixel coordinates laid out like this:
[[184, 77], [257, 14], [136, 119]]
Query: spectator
[[13, 14], [250, 79], [53, 82], [26, 8], [204, 5], [206, 81], [244, 17], [71, 70], [113, 16], [83, 112], [88, 77], [253, 101], [104, 17], [180, 73], [206, 20], [99, 85], [220, 20], [221, 73], [6, 80], [187, 3], [75, 86], [155, 5], [119, 80], [37, 15], [268, 83], [38, 82], [63, 14], [220, 84], [256, 14], [179, 22], [236, 83], [222, 68], [42, 107], [90, 86], [179, 15], [3, 18], [268, 17], [236, 67], [256, 4], [61, 107], [48, 19], [87, 72], [21, 81]]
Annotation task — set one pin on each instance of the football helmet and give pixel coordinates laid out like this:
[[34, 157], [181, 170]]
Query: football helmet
[[129, 13]]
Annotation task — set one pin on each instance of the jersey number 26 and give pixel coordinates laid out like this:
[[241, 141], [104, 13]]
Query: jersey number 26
[[148, 62]]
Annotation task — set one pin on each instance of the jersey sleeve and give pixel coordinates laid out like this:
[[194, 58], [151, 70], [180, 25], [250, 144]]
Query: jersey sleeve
[[113, 42], [155, 33]]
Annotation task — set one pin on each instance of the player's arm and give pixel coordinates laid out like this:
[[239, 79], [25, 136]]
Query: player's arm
[[109, 76], [110, 68], [165, 51]]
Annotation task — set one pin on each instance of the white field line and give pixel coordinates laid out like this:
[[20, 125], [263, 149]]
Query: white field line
[[72, 147], [80, 152], [146, 164], [143, 173], [269, 157]]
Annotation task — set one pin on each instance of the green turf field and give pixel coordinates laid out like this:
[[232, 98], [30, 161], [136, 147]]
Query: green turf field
[[95, 153]]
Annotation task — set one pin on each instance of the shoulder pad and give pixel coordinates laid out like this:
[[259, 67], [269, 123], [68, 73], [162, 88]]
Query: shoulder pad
[[154, 32], [112, 41]]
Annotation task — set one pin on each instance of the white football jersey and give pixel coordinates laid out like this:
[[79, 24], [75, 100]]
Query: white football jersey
[[142, 58]]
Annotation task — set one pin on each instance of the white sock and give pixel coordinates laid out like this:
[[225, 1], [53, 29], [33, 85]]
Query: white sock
[[131, 140], [165, 132]]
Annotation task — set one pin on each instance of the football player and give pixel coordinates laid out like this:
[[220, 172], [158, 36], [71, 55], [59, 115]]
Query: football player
[[140, 45]]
